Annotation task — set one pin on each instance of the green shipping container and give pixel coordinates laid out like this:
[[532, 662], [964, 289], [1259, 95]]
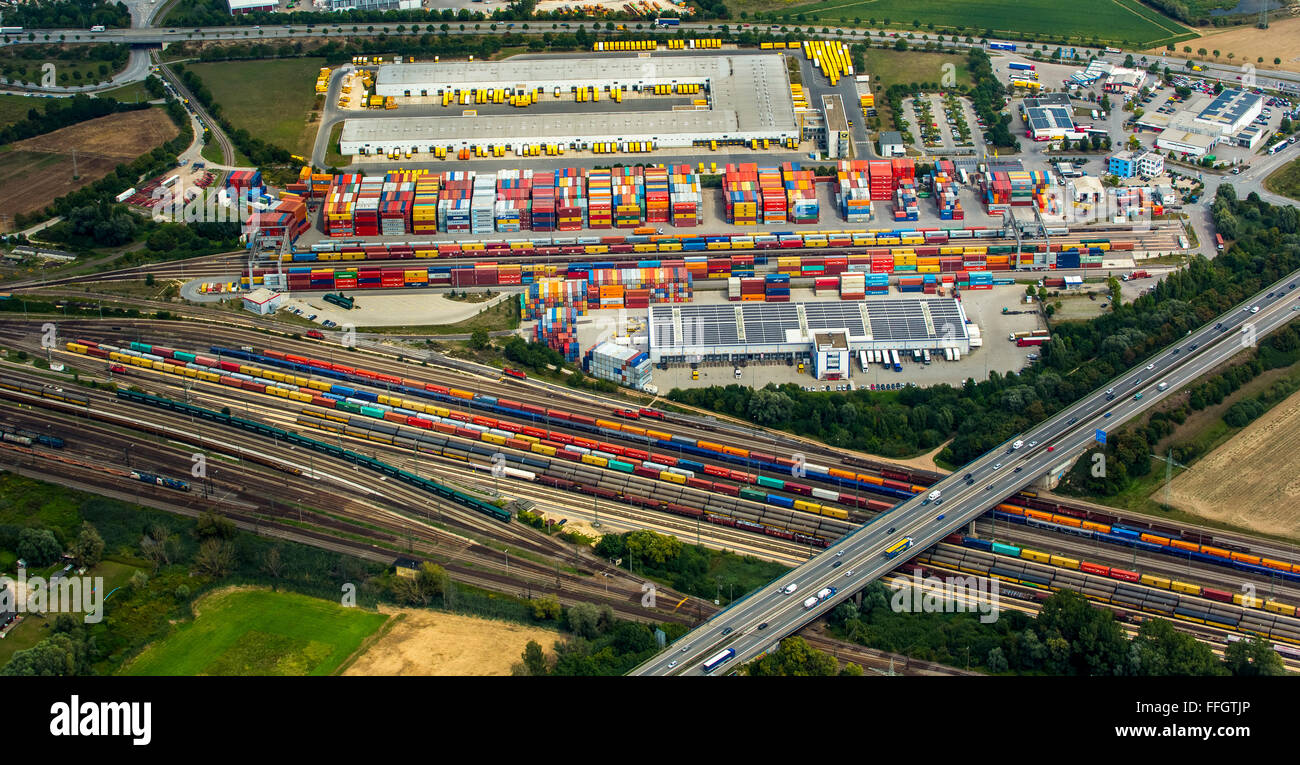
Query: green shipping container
[[771, 483], [750, 494], [372, 411]]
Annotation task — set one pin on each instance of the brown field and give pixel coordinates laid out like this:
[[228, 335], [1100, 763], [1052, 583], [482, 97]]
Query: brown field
[[434, 643], [1253, 480], [1280, 40], [36, 171]]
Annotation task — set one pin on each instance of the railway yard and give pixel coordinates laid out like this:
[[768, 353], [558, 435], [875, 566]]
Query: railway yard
[[431, 461]]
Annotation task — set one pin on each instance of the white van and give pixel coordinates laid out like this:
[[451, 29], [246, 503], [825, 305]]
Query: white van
[[935, 494], [810, 603], [790, 588], [1017, 444]]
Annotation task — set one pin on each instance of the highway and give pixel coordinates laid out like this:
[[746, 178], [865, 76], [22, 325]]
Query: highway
[[753, 625]]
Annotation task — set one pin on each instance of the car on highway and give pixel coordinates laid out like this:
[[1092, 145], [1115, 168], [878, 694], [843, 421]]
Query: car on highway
[[967, 476], [997, 465], [989, 487], [1106, 415], [940, 517], [1018, 469], [1151, 366], [1110, 391], [837, 564], [1254, 309], [848, 573], [728, 631], [763, 626], [839, 554], [790, 588], [1051, 448], [1033, 443], [672, 663], [890, 531]]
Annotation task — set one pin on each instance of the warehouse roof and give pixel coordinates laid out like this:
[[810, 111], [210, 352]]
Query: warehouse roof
[[1197, 140], [1049, 118], [539, 127], [1048, 99], [1229, 107], [756, 88], [681, 329]]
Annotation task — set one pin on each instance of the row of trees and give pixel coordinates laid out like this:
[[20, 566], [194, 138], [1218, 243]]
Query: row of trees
[[259, 152], [1069, 637], [68, 14]]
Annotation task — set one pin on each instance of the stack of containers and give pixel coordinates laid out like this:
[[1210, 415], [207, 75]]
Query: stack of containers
[[454, 202], [1016, 188], [825, 285], [366, 211], [551, 293], [600, 199], [733, 288], [570, 199], [286, 217], [904, 169], [944, 188], [881, 179], [854, 191], [981, 280], [621, 364], [853, 286], [801, 193], [513, 190], [770, 187], [657, 195], [557, 329], [911, 284], [543, 202], [753, 289], [906, 207], [685, 197], [776, 288], [482, 206], [635, 287], [424, 205], [339, 203], [740, 194], [877, 284], [245, 180], [628, 187], [395, 207]]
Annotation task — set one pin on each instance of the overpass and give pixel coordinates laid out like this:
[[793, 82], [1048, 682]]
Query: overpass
[[754, 625]]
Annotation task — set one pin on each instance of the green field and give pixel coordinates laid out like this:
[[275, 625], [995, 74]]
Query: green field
[[888, 67], [272, 99], [128, 94], [14, 108], [258, 632], [1285, 180], [1086, 21]]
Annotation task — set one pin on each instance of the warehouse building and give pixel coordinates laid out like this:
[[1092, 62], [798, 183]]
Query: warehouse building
[[1130, 164], [263, 301], [1230, 111], [749, 99], [891, 144], [1186, 142], [240, 7], [1125, 81], [1049, 123], [828, 334], [373, 5]]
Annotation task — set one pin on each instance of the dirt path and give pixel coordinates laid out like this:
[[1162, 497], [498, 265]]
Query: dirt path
[[433, 643], [1252, 481], [923, 462]]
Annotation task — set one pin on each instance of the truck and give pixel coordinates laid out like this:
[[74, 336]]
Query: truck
[[1026, 342], [1020, 66], [1002, 46], [1139, 275], [1218, 242], [1014, 336], [667, 22], [315, 334], [97, 28], [935, 495], [898, 547]]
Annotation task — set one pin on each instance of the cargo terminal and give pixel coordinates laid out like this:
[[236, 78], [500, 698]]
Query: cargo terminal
[[748, 99], [828, 334]]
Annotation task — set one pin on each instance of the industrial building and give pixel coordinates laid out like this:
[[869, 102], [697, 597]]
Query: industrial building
[[263, 301], [1049, 123], [1181, 141], [1124, 81], [891, 144], [838, 135], [749, 100], [240, 7], [1130, 164], [372, 5], [828, 334], [1230, 111]]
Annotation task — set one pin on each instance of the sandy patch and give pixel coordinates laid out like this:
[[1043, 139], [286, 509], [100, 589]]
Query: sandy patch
[[1252, 481], [434, 643], [1280, 40], [405, 308]]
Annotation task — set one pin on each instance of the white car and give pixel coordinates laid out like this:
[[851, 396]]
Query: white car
[[1151, 366]]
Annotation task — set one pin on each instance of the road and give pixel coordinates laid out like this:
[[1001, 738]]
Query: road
[[752, 625]]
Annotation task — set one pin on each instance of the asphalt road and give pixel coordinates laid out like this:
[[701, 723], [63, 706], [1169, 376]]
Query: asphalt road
[[859, 558]]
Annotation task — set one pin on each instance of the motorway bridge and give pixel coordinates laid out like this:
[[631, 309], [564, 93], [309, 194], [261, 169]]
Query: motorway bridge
[[753, 625]]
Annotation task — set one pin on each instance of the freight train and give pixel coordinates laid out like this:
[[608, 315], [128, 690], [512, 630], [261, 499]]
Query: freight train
[[294, 439], [27, 438], [52, 392], [670, 497], [1120, 587]]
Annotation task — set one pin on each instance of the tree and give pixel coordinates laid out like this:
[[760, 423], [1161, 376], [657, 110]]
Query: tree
[[272, 562], [479, 340], [997, 661], [159, 546], [584, 620], [795, 658], [212, 525], [651, 546], [546, 607], [215, 557], [1253, 657], [89, 547], [535, 660], [39, 547]]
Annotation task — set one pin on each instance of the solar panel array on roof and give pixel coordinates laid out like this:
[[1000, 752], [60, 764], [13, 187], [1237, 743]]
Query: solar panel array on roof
[[1050, 117], [1229, 106], [682, 330]]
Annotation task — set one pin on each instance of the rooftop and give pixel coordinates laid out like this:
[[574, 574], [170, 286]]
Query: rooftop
[[1049, 118], [891, 138], [879, 323], [1229, 107]]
